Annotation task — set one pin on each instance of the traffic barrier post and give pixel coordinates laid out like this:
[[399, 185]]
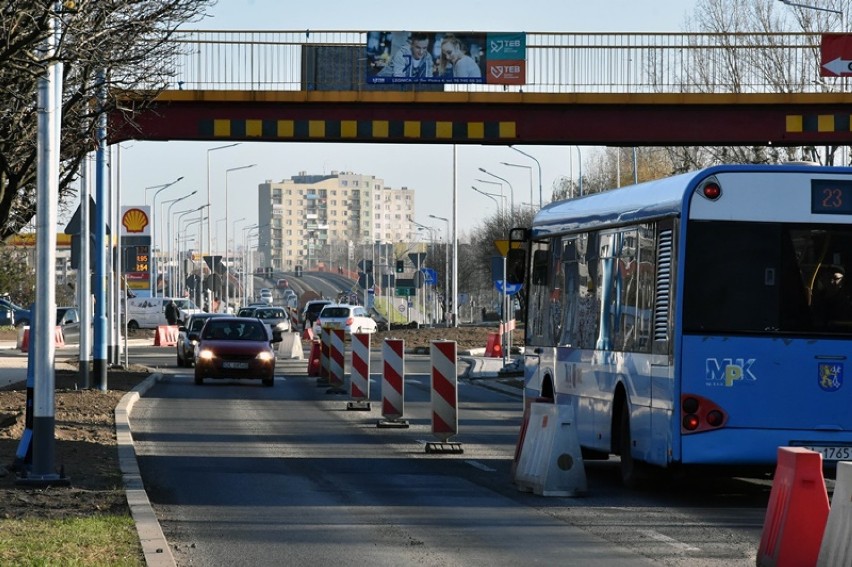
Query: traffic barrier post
[[314, 359], [835, 548], [335, 361], [493, 348], [393, 384], [445, 397], [324, 338], [359, 375]]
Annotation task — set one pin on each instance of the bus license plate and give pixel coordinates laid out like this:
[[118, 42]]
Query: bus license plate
[[832, 453], [235, 365]]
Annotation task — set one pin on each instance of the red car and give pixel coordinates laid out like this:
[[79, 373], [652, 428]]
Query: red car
[[236, 347]]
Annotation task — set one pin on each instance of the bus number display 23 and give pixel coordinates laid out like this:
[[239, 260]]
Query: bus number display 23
[[831, 197]]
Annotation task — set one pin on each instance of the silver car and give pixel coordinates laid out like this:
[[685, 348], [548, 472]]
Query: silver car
[[276, 318]]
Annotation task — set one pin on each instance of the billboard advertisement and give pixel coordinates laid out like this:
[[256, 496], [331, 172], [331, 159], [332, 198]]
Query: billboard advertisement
[[446, 57]]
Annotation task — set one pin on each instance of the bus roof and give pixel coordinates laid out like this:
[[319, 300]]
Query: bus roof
[[647, 201]]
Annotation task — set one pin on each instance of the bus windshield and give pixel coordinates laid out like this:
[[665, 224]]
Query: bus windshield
[[758, 278]]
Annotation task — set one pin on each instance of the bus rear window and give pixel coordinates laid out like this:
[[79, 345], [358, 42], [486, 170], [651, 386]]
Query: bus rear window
[[758, 278]]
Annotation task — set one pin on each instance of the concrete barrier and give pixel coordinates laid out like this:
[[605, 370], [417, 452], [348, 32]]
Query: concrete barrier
[[290, 346]]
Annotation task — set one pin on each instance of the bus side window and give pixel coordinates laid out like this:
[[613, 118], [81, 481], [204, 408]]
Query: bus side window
[[516, 265]]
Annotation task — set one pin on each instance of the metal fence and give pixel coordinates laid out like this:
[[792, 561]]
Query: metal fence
[[555, 63]]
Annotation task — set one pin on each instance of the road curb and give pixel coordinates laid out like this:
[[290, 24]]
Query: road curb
[[154, 545]]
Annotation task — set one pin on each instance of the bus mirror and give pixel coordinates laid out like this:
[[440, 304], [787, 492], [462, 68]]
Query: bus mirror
[[516, 261]]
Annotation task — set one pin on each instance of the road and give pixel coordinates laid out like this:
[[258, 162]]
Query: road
[[242, 474]]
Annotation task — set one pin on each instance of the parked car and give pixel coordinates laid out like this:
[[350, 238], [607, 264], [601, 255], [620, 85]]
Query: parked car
[[276, 318], [350, 318], [12, 314], [68, 319], [188, 337], [312, 310], [150, 312], [236, 347]]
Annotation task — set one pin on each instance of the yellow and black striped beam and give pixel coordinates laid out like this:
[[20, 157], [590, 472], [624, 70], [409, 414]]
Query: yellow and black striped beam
[[361, 130]]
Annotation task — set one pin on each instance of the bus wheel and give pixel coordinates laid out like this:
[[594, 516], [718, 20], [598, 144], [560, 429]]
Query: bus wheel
[[632, 471]]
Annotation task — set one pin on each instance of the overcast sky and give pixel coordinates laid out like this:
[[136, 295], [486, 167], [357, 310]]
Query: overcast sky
[[426, 169]]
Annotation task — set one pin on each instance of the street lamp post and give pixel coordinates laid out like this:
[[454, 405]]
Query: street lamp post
[[209, 239], [502, 196], [227, 270], [821, 9], [579, 170], [492, 197], [169, 227], [529, 167], [153, 257], [179, 274], [540, 204], [511, 189], [446, 269]]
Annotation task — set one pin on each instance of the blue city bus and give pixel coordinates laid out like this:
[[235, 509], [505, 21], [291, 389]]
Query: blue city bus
[[700, 320]]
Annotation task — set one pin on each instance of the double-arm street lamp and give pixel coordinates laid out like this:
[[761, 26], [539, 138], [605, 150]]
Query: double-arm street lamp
[[210, 214], [180, 215], [511, 189], [227, 267], [153, 257], [446, 270], [172, 202], [492, 197]]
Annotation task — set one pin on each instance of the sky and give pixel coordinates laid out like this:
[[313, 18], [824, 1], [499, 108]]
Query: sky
[[426, 169]]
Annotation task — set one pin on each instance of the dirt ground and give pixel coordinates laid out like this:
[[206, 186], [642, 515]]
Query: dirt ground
[[86, 449]]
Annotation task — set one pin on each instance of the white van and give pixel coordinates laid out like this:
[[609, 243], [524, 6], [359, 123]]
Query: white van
[[150, 312]]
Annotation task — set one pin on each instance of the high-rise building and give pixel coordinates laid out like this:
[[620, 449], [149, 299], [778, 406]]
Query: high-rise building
[[309, 220]]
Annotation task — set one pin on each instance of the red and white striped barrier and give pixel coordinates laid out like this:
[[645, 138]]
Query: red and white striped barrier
[[335, 361], [325, 339], [359, 376], [393, 384], [445, 397]]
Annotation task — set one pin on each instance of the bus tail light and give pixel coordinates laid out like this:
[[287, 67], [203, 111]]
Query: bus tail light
[[710, 189], [700, 414]]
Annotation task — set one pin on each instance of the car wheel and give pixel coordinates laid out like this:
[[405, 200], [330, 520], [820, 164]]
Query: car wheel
[[269, 382], [132, 326]]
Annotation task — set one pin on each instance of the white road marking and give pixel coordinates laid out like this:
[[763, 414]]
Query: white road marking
[[667, 540], [480, 466]]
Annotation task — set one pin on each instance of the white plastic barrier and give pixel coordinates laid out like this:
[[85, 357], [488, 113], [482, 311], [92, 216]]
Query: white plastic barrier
[[290, 346], [551, 463], [836, 546]]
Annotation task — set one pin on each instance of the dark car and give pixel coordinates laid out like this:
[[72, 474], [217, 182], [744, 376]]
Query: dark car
[[312, 310], [236, 347], [188, 337]]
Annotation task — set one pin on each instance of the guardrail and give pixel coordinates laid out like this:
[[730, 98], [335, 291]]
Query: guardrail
[[555, 63]]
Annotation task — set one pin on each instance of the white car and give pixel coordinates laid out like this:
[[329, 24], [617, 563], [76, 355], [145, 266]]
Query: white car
[[350, 318], [266, 296]]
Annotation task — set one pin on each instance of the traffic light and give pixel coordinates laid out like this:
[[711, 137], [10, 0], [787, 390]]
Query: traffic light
[[400, 266]]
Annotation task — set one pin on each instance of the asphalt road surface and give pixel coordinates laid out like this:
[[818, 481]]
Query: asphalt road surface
[[242, 474]]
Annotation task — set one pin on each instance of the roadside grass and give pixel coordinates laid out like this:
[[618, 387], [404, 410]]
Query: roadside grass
[[105, 540]]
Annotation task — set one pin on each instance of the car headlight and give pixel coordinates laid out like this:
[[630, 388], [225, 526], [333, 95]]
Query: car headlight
[[282, 326], [205, 354], [193, 342], [264, 356]]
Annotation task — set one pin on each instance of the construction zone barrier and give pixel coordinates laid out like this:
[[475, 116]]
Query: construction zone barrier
[[325, 340], [166, 335], [524, 424], [359, 375], [314, 358], [308, 334], [797, 511], [290, 346], [445, 397], [335, 361], [393, 384], [493, 348], [836, 546], [24, 338], [550, 463]]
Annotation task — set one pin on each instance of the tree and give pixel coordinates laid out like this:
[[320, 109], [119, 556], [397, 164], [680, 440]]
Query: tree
[[17, 278], [120, 45]]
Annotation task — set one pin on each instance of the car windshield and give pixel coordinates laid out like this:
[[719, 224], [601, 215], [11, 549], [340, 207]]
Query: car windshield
[[234, 331], [246, 312], [185, 304], [335, 312], [316, 307], [196, 323], [270, 314]]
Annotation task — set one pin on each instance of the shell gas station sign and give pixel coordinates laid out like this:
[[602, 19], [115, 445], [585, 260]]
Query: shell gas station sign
[[136, 245]]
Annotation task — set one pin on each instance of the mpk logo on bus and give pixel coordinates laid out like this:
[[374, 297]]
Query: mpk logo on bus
[[729, 371]]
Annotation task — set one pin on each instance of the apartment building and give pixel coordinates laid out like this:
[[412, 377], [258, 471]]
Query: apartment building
[[312, 219]]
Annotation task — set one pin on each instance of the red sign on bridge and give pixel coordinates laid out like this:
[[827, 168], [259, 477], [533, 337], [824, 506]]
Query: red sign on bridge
[[836, 55]]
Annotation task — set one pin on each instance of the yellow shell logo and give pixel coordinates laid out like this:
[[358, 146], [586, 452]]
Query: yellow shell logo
[[135, 220]]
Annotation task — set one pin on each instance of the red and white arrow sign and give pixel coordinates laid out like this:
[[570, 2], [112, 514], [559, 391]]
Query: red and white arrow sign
[[836, 55]]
